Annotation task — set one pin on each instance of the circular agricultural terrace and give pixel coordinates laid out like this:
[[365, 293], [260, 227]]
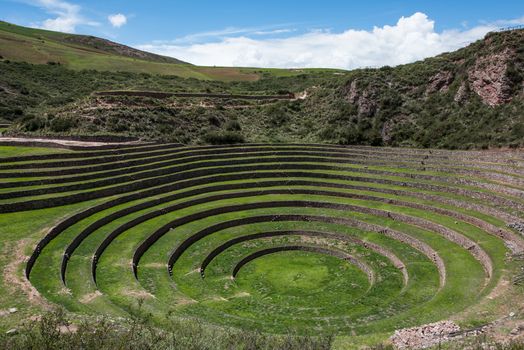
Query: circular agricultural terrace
[[309, 238]]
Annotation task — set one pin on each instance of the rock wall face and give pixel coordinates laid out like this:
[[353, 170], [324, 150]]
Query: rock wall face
[[488, 78], [462, 99], [462, 93], [364, 99], [440, 82]]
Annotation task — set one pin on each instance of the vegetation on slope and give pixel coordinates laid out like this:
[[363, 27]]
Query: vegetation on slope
[[58, 331], [471, 98], [49, 99]]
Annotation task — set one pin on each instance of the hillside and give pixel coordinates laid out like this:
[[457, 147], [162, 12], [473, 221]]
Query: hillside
[[78, 52], [471, 98], [79, 42]]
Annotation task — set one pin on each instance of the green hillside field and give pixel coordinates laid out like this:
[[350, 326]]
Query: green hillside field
[[79, 52]]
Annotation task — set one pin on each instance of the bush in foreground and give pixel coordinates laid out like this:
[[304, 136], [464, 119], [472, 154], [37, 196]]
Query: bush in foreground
[[55, 331]]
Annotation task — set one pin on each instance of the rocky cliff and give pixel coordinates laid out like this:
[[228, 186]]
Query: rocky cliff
[[454, 91]]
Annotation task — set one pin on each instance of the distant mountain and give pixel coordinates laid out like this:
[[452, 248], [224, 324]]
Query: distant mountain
[[41, 46], [116, 48]]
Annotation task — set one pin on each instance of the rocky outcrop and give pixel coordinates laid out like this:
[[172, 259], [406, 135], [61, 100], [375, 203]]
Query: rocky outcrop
[[439, 82], [517, 226], [364, 98], [489, 80], [462, 93], [424, 336]]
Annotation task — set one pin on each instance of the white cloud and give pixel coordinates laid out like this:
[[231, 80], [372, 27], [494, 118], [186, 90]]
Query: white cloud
[[273, 32], [117, 20], [214, 35], [510, 22], [410, 39], [67, 16]]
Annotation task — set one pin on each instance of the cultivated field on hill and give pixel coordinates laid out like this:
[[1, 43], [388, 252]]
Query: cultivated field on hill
[[317, 239], [82, 52]]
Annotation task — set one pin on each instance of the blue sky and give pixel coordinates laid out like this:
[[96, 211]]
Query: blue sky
[[343, 34]]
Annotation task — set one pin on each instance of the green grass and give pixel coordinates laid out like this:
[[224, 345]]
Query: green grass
[[15, 151], [163, 246]]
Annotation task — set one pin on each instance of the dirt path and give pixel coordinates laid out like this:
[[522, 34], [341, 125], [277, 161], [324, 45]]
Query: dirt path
[[17, 282], [63, 142]]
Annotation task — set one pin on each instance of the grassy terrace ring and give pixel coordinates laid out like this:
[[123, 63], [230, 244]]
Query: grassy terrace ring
[[312, 239]]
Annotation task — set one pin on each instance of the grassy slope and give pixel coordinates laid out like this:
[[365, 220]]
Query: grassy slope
[[39, 46], [16, 231], [78, 52]]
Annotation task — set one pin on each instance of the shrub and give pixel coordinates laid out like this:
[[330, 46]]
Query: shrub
[[233, 125], [62, 124], [223, 138], [515, 75], [518, 131], [213, 120], [32, 123], [277, 114], [350, 136], [56, 331]]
